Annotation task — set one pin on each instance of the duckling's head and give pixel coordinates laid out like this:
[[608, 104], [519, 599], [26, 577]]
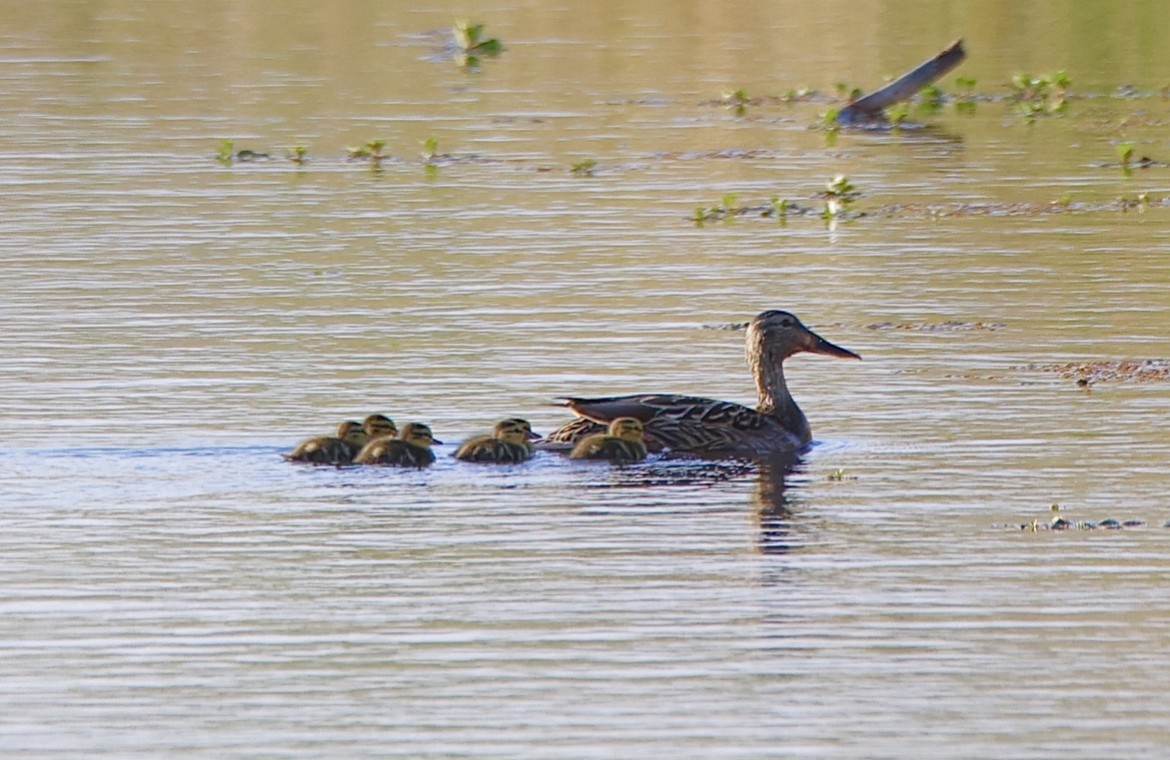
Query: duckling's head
[[514, 430], [352, 433], [776, 335], [627, 429], [379, 426], [417, 434]]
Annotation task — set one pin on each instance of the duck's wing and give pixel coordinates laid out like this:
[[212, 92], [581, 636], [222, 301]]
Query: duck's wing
[[567, 435], [701, 426], [744, 436], [642, 407]]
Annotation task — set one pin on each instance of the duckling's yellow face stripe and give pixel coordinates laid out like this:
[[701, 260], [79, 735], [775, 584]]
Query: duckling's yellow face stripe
[[421, 435], [515, 432], [627, 429]]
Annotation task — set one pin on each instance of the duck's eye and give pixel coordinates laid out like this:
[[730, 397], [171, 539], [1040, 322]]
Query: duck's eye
[[786, 322]]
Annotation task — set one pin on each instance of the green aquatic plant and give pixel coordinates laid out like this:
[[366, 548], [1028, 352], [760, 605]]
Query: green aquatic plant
[[1125, 154], [847, 93], [897, 114], [1037, 96], [227, 152], [779, 207], [725, 211], [965, 99], [298, 154], [583, 168], [930, 99], [471, 44], [371, 151], [430, 150], [840, 194], [736, 102], [802, 93]]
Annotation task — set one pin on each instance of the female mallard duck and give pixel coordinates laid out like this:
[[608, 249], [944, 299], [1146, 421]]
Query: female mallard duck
[[715, 429], [621, 443], [379, 426], [510, 441], [412, 448], [328, 449]]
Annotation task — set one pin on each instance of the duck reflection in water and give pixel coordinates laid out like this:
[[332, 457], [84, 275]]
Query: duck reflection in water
[[774, 516]]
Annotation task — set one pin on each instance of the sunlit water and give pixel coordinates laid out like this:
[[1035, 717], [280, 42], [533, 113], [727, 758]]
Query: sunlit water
[[173, 326]]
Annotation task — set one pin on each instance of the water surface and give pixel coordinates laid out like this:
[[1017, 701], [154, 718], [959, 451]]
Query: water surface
[[172, 326]]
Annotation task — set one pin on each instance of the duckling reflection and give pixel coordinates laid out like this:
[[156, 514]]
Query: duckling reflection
[[328, 449], [411, 449], [623, 443], [510, 442]]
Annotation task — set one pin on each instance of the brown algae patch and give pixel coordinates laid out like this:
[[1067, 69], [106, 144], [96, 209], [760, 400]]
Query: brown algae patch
[[951, 325], [1125, 371]]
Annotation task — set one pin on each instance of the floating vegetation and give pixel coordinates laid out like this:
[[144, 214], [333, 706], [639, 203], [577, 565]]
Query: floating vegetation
[[1040, 96], [471, 44], [947, 326], [776, 208], [728, 326], [371, 152], [736, 102], [227, 152], [583, 168], [839, 195], [227, 155], [1124, 371], [1058, 521], [298, 154]]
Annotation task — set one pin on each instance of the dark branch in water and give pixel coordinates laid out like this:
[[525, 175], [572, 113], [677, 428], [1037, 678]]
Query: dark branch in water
[[870, 107]]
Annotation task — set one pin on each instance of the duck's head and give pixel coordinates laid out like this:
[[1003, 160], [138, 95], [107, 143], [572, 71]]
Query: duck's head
[[379, 426], [352, 433], [778, 335], [418, 434], [514, 430], [627, 429]]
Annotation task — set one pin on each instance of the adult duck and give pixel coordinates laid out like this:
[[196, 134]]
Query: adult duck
[[720, 429], [510, 442]]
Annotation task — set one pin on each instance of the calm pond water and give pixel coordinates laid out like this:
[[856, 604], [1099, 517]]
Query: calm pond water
[[173, 324]]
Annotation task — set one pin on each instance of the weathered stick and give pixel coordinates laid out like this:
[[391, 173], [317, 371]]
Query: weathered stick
[[870, 107]]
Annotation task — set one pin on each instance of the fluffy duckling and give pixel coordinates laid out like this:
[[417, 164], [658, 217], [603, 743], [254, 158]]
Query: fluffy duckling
[[379, 426], [622, 443], [412, 448], [328, 449], [510, 441]]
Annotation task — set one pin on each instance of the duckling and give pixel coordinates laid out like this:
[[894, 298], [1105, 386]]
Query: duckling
[[412, 448], [328, 449], [379, 426], [510, 441], [621, 444]]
